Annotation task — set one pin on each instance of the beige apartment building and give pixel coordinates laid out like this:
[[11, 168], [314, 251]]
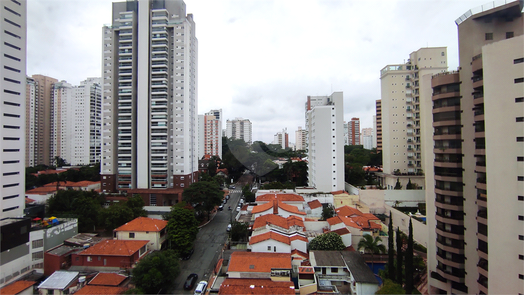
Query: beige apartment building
[[377, 124], [478, 180], [404, 93]]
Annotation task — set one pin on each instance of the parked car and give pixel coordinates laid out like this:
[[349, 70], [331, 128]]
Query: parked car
[[201, 288], [190, 282], [227, 197], [232, 186], [239, 208], [221, 207], [229, 227], [187, 255]]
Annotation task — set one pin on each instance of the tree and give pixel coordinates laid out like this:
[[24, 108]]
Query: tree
[[371, 245], [399, 257], [398, 185], [409, 261], [182, 228], [410, 185], [390, 287], [327, 241], [391, 250], [136, 204], [327, 212], [156, 272], [60, 162], [239, 231], [203, 196], [115, 216], [86, 206]]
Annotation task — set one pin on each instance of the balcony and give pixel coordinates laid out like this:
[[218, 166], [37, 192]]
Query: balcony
[[453, 275]]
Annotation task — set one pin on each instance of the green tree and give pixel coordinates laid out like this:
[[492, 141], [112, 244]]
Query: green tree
[[399, 257], [239, 231], [410, 185], [115, 216], [86, 206], [391, 250], [182, 228], [156, 272], [327, 241], [398, 185], [371, 245], [136, 204], [203, 196], [409, 261], [390, 287], [327, 212]]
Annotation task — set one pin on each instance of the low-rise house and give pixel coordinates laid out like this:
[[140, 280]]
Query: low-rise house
[[255, 286], [60, 283], [277, 208], [19, 288], [278, 242], [59, 258], [251, 265], [110, 255], [268, 222], [356, 222], [287, 198], [105, 283], [41, 194], [100, 290], [315, 208], [144, 228], [83, 185]]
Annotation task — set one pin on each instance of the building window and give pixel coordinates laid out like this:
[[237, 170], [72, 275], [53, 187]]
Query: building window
[[334, 270], [521, 257], [489, 36], [520, 139], [521, 198], [519, 119], [509, 35], [89, 259], [269, 248], [520, 178], [38, 243], [38, 255], [518, 60], [520, 159], [521, 217], [519, 99], [131, 235], [519, 80]]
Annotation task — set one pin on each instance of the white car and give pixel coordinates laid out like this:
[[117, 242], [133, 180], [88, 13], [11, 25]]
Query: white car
[[238, 208], [229, 227], [201, 288]]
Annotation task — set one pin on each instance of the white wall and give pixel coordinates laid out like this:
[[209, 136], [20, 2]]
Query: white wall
[[153, 237], [263, 247], [401, 220]]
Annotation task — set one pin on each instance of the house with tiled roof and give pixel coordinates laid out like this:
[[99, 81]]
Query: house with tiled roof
[[277, 242], [314, 208], [287, 198], [356, 222], [144, 228], [255, 286], [100, 290], [267, 222], [108, 279], [19, 288], [41, 194], [278, 208], [110, 255], [251, 265]]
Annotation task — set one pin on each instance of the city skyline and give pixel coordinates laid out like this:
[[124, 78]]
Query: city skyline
[[257, 74]]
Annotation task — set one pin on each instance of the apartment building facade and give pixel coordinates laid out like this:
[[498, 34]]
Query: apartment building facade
[[325, 144], [300, 139], [212, 133], [377, 124], [478, 161], [240, 129], [282, 139], [354, 131], [149, 103]]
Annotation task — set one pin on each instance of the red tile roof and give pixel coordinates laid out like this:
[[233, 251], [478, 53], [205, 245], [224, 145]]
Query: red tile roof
[[262, 208], [341, 231], [338, 192], [370, 216], [280, 197], [16, 287], [299, 253], [348, 211], [334, 220], [255, 286], [114, 248], [280, 221], [258, 262], [314, 204], [28, 200], [84, 183], [62, 183], [107, 279], [269, 236], [306, 270], [298, 237], [100, 290], [49, 172], [142, 224], [43, 190], [290, 208]]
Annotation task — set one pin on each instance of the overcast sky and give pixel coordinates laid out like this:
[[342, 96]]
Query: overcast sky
[[260, 59]]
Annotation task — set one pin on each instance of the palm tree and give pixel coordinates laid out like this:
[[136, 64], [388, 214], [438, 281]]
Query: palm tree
[[371, 245]]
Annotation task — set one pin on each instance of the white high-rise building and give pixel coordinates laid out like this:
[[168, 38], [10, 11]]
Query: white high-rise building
[[13, 21], [300, 139], [325, 130], [367, 136], [150, 116], [282, 139], [239, 129]]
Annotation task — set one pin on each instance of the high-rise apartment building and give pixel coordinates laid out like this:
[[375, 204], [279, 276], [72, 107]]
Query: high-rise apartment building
[[404, 94], [354, 131], [325, 130], [374, 145], [282, 139], [367, 138], [378, 124], [212, 133], [13, 22], [477, 204], [300, 139], [346, 133], [149, 132], [239, 129]]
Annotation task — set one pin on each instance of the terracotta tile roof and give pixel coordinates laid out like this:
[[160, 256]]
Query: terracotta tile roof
[[100, 290], [16, 287], [306, 270], [62, 183], [370, 216], [258, 262], [269, 236], [299, 253], [334, 220], [338, 192], [49, 172], [278, 221], [341, 231], [43, 190], [262, 208], [298, 237], [107, 279], [290, 208], [28, 200], [255, 286], [114, 248], [84, 183], [348, 221], [142, 224], [348, 211], [314, 204], [280, 197]]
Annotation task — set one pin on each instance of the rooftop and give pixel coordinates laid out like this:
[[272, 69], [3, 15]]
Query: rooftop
[[16, 287], [59, 280], [100, 290], [256, 286], [314, 204], [114, 248], [258, 262], [107, 279], [280, 197], [142, 224], [272, 219]]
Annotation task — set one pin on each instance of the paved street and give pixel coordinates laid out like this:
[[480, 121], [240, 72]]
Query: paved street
[[208, 246]]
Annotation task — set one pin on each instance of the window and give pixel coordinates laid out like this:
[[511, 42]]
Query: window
[[521, 237], [520, 159], [519, 119], [520, 139], [38, 255], [334, 270], [89, 259], [509, 35], [520, 178], [38, 243], [489, 36], [518, 60], [521, 217], [131, 235], [518, 80], [521, 198], [519, 99], [521, 257], [269, 248]]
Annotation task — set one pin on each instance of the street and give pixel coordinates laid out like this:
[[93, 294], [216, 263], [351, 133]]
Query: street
[[208, 246]]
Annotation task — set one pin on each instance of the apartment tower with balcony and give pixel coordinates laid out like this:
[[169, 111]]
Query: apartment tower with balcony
[[240, 129], [212, 133], [479, 159], [404, 95], [325, 144], [149, 98], [354, 131], [377, 125], [300, 139]]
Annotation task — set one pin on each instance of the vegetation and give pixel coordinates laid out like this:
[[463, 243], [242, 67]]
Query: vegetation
[[355, 157], [84, 205], [239, 231], [246, 192], [118, 214], [371, 245], [327, 212], [327, 241], [411, 185], [390, 287], [409, 261], [203, 196], [391, 250], [182, 228], [155, 272], [399, 257], [398, 185], [91, 173]]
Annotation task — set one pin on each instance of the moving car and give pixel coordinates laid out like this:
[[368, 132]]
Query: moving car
[[201, 288], [190, 282]]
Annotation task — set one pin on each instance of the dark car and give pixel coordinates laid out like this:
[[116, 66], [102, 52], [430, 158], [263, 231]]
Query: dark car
[[190, 282], [186, 256]]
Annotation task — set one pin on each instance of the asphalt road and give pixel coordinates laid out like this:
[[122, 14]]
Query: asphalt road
[[208, 246]]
